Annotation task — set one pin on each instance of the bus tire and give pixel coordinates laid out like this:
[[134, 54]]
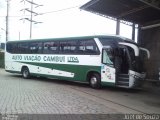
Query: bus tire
[[25, 73], [95, 81]]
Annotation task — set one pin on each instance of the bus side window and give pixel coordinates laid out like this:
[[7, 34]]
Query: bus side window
[[72, 46], [54, 47], [14, 48], [35, 47], [62, 44], [50, 47], [23, 48], [67, 47], [87, 47], [9, 47]]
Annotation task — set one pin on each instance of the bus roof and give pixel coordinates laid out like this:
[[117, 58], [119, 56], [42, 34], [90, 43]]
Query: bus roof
[[120, 38]]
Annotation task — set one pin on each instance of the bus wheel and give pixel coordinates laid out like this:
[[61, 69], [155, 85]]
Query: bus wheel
[[95, 81], [25, 73]]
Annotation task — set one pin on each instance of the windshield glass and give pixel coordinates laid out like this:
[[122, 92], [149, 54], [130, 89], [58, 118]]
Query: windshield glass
[[131, 54], [137, 62], [108, 56], [111, 42]]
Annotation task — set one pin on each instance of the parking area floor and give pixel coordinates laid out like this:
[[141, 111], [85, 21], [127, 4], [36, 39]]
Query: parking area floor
[[48, 96]]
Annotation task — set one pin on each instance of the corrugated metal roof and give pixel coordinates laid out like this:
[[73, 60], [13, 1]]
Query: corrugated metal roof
[[136, 11]]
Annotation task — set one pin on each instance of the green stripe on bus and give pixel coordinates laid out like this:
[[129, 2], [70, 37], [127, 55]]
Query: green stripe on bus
[[80, 71]]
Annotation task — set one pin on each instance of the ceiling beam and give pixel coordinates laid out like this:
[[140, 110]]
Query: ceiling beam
[[132, 11], [90, 3], [153, 3]]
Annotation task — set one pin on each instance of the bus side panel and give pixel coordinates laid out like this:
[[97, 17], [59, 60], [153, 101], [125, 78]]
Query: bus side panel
[[62, 71], [67, 67]]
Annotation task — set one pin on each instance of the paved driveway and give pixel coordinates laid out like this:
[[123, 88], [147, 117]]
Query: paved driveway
[[46, 96]]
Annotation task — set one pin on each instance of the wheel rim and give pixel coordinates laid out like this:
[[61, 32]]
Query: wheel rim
[[25, 73], [93, 81]]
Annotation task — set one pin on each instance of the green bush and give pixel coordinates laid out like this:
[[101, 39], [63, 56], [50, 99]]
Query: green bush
[[1, 60]]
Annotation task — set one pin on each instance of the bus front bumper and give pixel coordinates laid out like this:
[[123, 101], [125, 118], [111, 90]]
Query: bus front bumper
[[136, 79]]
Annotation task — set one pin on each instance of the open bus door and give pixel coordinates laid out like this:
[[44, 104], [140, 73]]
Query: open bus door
[[115, 62], [108, 75]]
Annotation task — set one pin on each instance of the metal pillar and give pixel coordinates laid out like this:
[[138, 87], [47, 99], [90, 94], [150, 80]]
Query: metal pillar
[[118, 27], [133, 32], [31, 21], [31, 15], [7, 22]]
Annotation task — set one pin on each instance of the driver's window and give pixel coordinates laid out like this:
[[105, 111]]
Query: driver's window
[[108, 56]]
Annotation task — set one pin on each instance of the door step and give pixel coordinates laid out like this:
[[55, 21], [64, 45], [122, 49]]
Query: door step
[[123, 80]]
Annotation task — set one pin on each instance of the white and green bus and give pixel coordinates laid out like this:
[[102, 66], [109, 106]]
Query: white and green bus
[[98, 60]]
